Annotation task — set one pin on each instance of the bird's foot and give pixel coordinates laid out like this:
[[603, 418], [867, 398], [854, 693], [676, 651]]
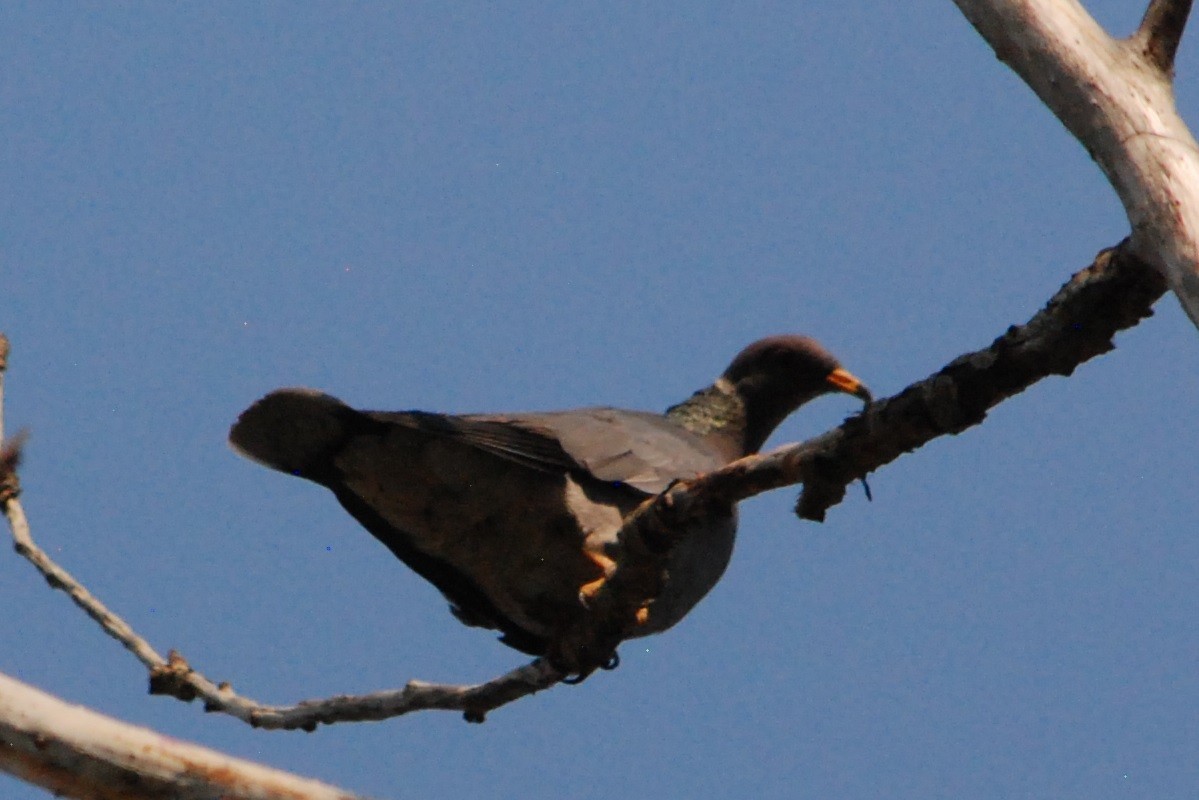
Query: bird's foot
[[607, 566], [581, 674]]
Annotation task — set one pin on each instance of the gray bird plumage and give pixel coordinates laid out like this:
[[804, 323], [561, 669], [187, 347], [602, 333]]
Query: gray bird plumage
[[509, 515]]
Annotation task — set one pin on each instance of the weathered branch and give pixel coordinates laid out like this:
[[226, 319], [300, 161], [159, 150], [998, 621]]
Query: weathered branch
[[75, 752], [179, 680], [1076, 325], [1116, 97]]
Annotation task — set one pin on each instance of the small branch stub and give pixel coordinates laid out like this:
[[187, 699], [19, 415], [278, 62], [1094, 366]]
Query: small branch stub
[[1161, 32]]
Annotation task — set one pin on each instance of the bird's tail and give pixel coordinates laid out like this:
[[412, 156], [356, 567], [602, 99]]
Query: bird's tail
[[297, 431]]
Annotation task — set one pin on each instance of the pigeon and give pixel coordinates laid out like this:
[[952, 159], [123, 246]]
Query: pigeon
[[513, 517]]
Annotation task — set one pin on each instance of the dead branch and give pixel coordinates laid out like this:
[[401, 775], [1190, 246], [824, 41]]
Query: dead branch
[[1117, 98], [177, 679], [75, 752]]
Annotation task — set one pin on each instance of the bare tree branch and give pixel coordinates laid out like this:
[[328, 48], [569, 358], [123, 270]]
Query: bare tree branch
[[59, 578], [177, 679], [76, 752], [1116, 97]]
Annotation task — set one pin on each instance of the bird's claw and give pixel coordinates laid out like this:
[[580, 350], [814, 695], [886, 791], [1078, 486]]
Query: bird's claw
[[611, 663], [589, 590]]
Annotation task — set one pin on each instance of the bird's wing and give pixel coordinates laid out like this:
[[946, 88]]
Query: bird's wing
[[500, 436], [638, 449]]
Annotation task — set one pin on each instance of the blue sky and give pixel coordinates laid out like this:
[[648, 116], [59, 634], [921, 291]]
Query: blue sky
[[484, 207]]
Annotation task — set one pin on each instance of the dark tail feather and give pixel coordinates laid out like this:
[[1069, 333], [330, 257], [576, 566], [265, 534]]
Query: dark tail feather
[[297, 431]]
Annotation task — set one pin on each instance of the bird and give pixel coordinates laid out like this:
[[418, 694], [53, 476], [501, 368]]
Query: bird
[[513, 517]]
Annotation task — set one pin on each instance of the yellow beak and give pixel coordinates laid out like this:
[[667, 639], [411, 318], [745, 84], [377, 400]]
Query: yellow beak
[[843, 381]]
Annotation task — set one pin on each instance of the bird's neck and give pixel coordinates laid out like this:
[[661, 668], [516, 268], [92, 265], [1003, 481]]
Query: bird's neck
[[717, 414]]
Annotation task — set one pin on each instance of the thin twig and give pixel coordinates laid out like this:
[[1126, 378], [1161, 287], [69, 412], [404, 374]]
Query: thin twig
[[4, 348], [56, 576], [59, 578], [178, 679]]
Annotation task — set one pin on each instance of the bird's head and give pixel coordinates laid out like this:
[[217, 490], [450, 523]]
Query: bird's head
[[776, 375]]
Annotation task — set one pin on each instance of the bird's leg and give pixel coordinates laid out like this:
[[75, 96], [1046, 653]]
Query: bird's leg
[[607, 566]]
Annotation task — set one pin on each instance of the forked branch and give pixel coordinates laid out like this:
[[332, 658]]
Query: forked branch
[[1116, 96]]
